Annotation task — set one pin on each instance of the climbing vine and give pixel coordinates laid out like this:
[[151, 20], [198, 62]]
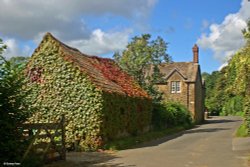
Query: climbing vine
[[112, 72], [93, 116]]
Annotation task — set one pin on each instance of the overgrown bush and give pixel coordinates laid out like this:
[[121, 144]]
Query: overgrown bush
[[13, 110], [170, 114], [233, 106], [247, 113]]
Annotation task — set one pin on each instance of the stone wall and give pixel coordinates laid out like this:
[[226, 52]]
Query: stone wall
[[166, 89], [191, 99], [185, 97], [191, 95], [199, 100]]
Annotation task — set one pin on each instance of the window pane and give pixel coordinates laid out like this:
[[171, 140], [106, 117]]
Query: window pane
[[178, 87], [173, 88]]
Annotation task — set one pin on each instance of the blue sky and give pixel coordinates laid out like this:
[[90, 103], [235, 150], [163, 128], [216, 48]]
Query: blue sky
[[103, 27]]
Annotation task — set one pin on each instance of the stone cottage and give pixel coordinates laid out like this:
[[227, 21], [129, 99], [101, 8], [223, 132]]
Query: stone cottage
[[100, 101], [183, 83]]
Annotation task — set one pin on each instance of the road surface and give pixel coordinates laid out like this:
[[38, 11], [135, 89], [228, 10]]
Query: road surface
[[208, 145]]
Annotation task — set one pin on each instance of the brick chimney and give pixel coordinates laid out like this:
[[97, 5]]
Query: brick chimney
[[195, 54]]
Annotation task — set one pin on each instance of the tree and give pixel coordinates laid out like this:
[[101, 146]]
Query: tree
[[2, 46], [246, 32], [12, 108], [141, 55], [215, 91], [228, 89], [20, 61]]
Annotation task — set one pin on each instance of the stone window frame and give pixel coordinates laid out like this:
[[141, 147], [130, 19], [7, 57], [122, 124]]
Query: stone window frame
[[175, 87]]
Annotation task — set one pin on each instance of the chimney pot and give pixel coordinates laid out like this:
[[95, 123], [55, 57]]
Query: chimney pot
[[195, 54]]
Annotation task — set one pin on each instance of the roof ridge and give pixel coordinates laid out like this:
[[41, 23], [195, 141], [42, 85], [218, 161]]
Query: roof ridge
[[49, 35], [178, 71], [103, 72], [186, 69]]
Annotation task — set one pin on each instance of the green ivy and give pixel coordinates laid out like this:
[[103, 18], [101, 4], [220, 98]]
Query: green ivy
[[92, 116], [125, 115]]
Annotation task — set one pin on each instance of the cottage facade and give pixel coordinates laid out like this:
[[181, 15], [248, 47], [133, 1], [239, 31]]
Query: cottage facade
[[183, 83], [99, 100]]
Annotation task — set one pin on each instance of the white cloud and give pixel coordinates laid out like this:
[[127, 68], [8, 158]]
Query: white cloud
[[102, 42], [14, 49], [226, 38], [222, 66], [27, 18]]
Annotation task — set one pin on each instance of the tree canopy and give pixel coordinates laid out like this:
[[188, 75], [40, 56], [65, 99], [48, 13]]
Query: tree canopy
[[140, 55], [12, 107], [229, 89]]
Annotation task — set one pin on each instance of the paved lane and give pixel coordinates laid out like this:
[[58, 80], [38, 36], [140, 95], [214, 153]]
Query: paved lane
[[208, 145]]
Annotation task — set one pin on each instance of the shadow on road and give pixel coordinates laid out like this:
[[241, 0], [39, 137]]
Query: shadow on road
[[171, 137], [218, 121], [205, 130], [160, 140], [88, 159], [196, 129], [102, 159]]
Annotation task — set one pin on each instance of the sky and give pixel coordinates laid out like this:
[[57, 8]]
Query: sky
[[102, 27]]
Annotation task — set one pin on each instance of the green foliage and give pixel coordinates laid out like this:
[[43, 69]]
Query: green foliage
[[170, 114], [224, 87], [92, 116], [227, 90], [246, 32], [140, 55], [242, 131], [14, 110], [233, 106], [2, 47], [247, 113], [238, 73], [215, 91], [20, 61], [63, 89], [125, 115]]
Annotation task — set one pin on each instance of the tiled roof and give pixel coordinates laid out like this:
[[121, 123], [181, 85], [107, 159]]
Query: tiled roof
[[188, 70], [103, 72]]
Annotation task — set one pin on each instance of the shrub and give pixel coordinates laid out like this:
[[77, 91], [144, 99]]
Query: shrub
[[13, 110], [170, 114], [233, 106], [242, 131], [247, 113]]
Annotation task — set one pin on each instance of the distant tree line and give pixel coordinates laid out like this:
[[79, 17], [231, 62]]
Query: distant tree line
[[228, 90]]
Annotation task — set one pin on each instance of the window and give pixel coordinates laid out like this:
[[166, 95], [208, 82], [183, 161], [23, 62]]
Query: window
[[176, 87]]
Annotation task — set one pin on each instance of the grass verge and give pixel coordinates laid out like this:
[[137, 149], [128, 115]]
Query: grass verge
[[132, 141], [242, 131]]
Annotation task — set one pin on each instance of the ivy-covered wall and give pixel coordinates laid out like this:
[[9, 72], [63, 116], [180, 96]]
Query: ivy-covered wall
[[62, 89], [124, 115], [93, 116]]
